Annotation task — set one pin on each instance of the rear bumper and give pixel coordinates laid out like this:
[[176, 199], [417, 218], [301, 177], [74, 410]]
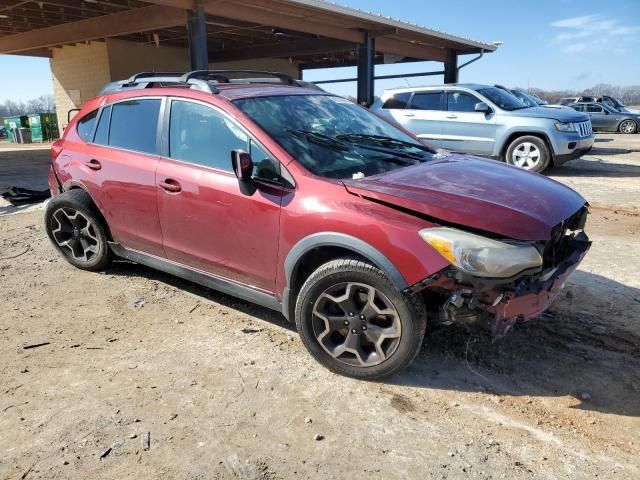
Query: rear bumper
[[54, 186]]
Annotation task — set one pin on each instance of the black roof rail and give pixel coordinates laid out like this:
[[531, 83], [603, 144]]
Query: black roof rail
[[195, 83], [222, 75], [135, 77], [196, 79]]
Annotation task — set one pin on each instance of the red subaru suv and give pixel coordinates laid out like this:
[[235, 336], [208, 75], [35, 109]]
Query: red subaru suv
[[306, 203]]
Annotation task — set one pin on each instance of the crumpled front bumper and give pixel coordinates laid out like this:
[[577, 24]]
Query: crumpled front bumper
[[505, 301], [530, 302]]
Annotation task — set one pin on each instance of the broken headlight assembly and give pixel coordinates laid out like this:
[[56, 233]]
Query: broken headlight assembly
[[481, 256]]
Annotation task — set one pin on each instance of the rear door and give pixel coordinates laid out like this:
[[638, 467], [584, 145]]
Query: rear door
[[464, 129], [118, 167], [394, 107], [211, 221], [424, 116]]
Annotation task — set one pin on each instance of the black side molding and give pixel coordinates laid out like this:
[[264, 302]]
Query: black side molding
[[196, 276]]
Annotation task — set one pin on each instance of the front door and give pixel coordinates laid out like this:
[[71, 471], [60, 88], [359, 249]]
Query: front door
[[464, 129], [210, 221], [599, 117]]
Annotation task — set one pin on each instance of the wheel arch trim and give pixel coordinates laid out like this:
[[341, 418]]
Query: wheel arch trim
[[75, 185], [335, 239]]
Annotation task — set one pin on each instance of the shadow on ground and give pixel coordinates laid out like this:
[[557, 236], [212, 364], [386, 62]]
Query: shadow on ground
[[24, 168], [560, 354], [612, 151], [594, 167]]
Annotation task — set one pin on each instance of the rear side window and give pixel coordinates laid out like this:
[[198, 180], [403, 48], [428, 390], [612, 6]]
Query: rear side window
[[134, 124], [85, 126], [102, 131], [202, 135], [579, 108], [427, 101], [399, 100], [461, 102]]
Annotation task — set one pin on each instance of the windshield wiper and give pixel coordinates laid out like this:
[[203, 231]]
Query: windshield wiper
[[382, 139], [338, 143], [319, 138], [387, 145]]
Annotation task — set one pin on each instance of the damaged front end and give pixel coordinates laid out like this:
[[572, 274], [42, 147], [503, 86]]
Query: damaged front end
[[466, 298]]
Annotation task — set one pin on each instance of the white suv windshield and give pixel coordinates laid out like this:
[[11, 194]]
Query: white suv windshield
[[502, 99]]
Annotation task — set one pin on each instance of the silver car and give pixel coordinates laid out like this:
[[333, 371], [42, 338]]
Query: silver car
[[485, 120], [607, 119]]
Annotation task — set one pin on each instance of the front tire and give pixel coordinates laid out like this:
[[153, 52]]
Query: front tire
[[628, 126], [76, 230], [353, 320], [529, 152]]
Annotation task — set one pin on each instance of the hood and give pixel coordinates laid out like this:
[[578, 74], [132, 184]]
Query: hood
[[559, 114], [475, 193]]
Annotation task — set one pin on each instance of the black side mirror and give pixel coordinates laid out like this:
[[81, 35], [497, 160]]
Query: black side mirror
[[242, 165], [482, 107]]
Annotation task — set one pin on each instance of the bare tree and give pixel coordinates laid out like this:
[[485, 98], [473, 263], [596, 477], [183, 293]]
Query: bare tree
[[629, 95], [41, 104]]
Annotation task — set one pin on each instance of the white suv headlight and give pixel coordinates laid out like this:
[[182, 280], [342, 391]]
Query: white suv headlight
[[481, 256], [566, 127]]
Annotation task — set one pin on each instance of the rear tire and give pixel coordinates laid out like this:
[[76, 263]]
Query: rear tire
[[628, 126], [76, 229], [355, 322], [529, 153]]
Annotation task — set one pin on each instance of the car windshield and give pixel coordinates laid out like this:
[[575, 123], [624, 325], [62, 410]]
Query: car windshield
[[502, 99], [333, 137], [524, 98]]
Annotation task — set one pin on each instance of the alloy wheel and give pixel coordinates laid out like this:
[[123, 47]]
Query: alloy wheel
[[526, 155], [356, 324], [75, 234], [627, 127]]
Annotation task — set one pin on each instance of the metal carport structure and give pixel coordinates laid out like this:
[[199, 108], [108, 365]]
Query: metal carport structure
[[305, 34]]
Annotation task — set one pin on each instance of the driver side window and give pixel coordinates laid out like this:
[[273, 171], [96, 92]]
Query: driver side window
[[201, 135], [461, 102]]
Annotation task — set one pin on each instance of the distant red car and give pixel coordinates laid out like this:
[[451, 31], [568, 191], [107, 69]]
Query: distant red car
[[311, 205]]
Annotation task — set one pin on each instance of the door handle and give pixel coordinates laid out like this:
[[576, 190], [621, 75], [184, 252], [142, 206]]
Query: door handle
[[93, 164], [452, 116], [170, 185], [409, 114]]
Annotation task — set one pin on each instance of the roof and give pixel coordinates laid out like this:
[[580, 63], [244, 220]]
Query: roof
[[377, 18], [313, 33], [470, 86], [236, 91]]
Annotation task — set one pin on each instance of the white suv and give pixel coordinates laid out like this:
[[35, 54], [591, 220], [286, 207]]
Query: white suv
[[485, 120]]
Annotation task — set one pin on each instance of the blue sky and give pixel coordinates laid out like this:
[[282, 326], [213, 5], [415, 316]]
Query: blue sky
[[552, 44]]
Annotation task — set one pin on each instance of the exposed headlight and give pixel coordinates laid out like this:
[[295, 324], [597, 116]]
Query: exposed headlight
[[481, 256], [566, 127]]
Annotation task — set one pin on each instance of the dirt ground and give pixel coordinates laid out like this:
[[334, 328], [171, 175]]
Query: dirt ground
[[225, 389]]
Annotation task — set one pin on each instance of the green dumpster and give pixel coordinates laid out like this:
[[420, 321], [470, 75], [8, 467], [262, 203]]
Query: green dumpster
[[11, 123], [44, 127]]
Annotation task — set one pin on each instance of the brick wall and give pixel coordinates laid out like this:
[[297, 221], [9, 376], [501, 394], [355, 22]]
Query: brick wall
[[81, 70], [78, 73], [127, 58]]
